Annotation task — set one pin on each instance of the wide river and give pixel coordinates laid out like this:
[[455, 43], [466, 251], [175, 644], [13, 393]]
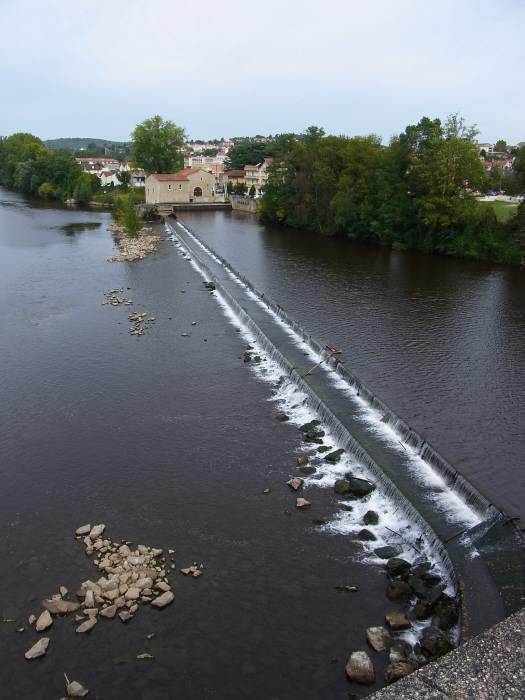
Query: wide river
[[171, 440], [442, 341]]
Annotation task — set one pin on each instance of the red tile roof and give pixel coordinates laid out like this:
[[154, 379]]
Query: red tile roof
[[182, 175], [234, 173]]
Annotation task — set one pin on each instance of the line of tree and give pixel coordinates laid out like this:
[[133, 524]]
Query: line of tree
[[28, 166], [417, 192]]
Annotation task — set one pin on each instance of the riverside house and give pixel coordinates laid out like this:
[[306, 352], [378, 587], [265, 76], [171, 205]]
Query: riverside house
[[188, 186]]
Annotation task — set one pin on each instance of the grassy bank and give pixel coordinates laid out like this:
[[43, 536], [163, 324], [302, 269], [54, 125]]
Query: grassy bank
[[503, 210]]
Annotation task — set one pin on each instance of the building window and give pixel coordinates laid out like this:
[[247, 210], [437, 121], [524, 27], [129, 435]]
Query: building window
[[169, 187], [197, 192]]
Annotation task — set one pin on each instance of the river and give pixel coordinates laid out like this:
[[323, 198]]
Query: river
[[170, 439], [441, 340]]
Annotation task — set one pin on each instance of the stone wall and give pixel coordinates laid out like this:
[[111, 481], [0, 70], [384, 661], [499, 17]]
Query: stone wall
[[240, 203]]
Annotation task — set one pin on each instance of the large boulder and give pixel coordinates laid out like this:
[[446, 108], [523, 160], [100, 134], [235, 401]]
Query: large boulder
[[334, 457], [359, 668], [371, 517], [311, 425], [378, 638], [397, 567], [434, 643], [446, 611], [359, 488], [342, 486], [387, 552], [397, 620], [399, 669], [398, 591]]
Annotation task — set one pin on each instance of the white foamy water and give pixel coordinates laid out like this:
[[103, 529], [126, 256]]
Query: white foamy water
[[448, 502], [394, 528]]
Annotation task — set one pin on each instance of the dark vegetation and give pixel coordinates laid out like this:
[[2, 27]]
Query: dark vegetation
[[417, 192]]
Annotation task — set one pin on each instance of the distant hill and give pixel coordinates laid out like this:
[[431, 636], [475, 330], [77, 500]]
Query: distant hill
[[74, 144]]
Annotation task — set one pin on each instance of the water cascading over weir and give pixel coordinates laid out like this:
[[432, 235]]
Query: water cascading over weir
[[479, 548]]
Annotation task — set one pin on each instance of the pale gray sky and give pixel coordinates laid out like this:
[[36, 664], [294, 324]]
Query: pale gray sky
[[93, 68]]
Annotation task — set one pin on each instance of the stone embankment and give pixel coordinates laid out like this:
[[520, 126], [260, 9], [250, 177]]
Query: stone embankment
[[132, 249], [488, 667]]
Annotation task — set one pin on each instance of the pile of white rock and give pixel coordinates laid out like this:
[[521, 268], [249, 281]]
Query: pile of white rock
[[132, 249], [130, 579]]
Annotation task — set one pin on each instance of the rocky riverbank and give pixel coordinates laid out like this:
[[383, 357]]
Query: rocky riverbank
[[132, 249]]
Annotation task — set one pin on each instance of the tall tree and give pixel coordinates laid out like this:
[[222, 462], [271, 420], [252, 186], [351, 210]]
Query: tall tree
[[158, 145]]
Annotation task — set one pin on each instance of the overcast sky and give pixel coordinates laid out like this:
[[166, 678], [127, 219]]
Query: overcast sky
[[94, 69]]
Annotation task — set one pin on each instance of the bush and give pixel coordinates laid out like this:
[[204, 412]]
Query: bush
[[46, 190]]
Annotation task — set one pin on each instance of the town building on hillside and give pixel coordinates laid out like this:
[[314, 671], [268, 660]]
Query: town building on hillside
[[213, 164], [233, 176], [257, 175], [137, 178], [97, 162], [108, 177], [189, 186]]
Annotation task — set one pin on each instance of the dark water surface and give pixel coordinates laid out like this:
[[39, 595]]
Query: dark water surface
[[170, 441], [442, 341]]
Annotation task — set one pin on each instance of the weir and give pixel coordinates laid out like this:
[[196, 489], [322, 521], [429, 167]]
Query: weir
[[411, 473]]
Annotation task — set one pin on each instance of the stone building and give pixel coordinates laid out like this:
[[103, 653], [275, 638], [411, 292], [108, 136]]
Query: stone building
[[189, 186]]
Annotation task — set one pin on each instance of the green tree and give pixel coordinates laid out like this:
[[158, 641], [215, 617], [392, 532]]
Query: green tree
[[158, 145], [252, 191], [46, 190], [246, 151], [518, 166], [124, 177], [85, 188], [127, 216], [500, 145], [239, 188]]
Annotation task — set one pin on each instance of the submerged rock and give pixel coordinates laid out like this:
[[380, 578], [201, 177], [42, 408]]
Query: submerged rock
[[366, 535], [378, 638], [281, 416], [302, 503], [359, 668], [302, 460]]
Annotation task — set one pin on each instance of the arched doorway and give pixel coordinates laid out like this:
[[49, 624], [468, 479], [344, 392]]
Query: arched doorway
[[197, 192]]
